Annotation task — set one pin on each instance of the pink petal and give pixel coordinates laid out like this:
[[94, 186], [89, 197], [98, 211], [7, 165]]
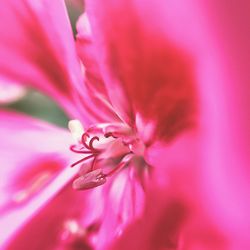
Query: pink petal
[[146, 74], [157, 229], [57, 225], [72, 218], [219, 40], [176, 187], [217, 168], [174, 215], [34, 166], [95, 99], [37, 48], [122, 202], [169, 222], [224, 81]]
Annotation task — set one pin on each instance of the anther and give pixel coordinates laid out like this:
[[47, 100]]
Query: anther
[[92, 179]]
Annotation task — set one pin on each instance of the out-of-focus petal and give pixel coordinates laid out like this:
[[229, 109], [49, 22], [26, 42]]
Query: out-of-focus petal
[[146, 74], [57, 226], [176, 188], [170, 221], [224, 82], [217, 35], [159, 226], [122, 200], [174, 215], [37, 48], [83, 219], [11, 92], [34, 166]]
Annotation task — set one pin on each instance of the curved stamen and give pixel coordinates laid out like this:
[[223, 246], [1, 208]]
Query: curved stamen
[[83, 159], [91, 143], [84, 139], [109, 134], [90, 149], [72, 148]]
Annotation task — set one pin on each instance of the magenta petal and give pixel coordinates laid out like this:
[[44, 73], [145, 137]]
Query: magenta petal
[[37, 48], [57, 225], [158, 228], [122, 200], [220, 43], [95, 99], [34, 166], [146, 74], [219, 40], [224, 81], [170, 222], [216, 34], [175, 216]]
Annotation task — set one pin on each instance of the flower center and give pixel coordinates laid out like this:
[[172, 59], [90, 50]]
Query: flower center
[[106, 149]]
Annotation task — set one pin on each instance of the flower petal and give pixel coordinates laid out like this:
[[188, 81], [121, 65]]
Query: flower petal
[[33, 160], [57, 225], [158, 228], [217, 34], [174, 216], [219, 40], [144, 71], [38, 48], [95, 98], [169, 222], [82, 219], [224, 82], [123, 201]]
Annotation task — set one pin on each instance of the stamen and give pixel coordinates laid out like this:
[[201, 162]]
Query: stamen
[[84, 139], [103, 144], [91, 150], [91, 142], [93, 164], [82, 160]]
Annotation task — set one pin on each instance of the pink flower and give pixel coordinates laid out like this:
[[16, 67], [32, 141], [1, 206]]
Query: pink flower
[[164, 161]]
